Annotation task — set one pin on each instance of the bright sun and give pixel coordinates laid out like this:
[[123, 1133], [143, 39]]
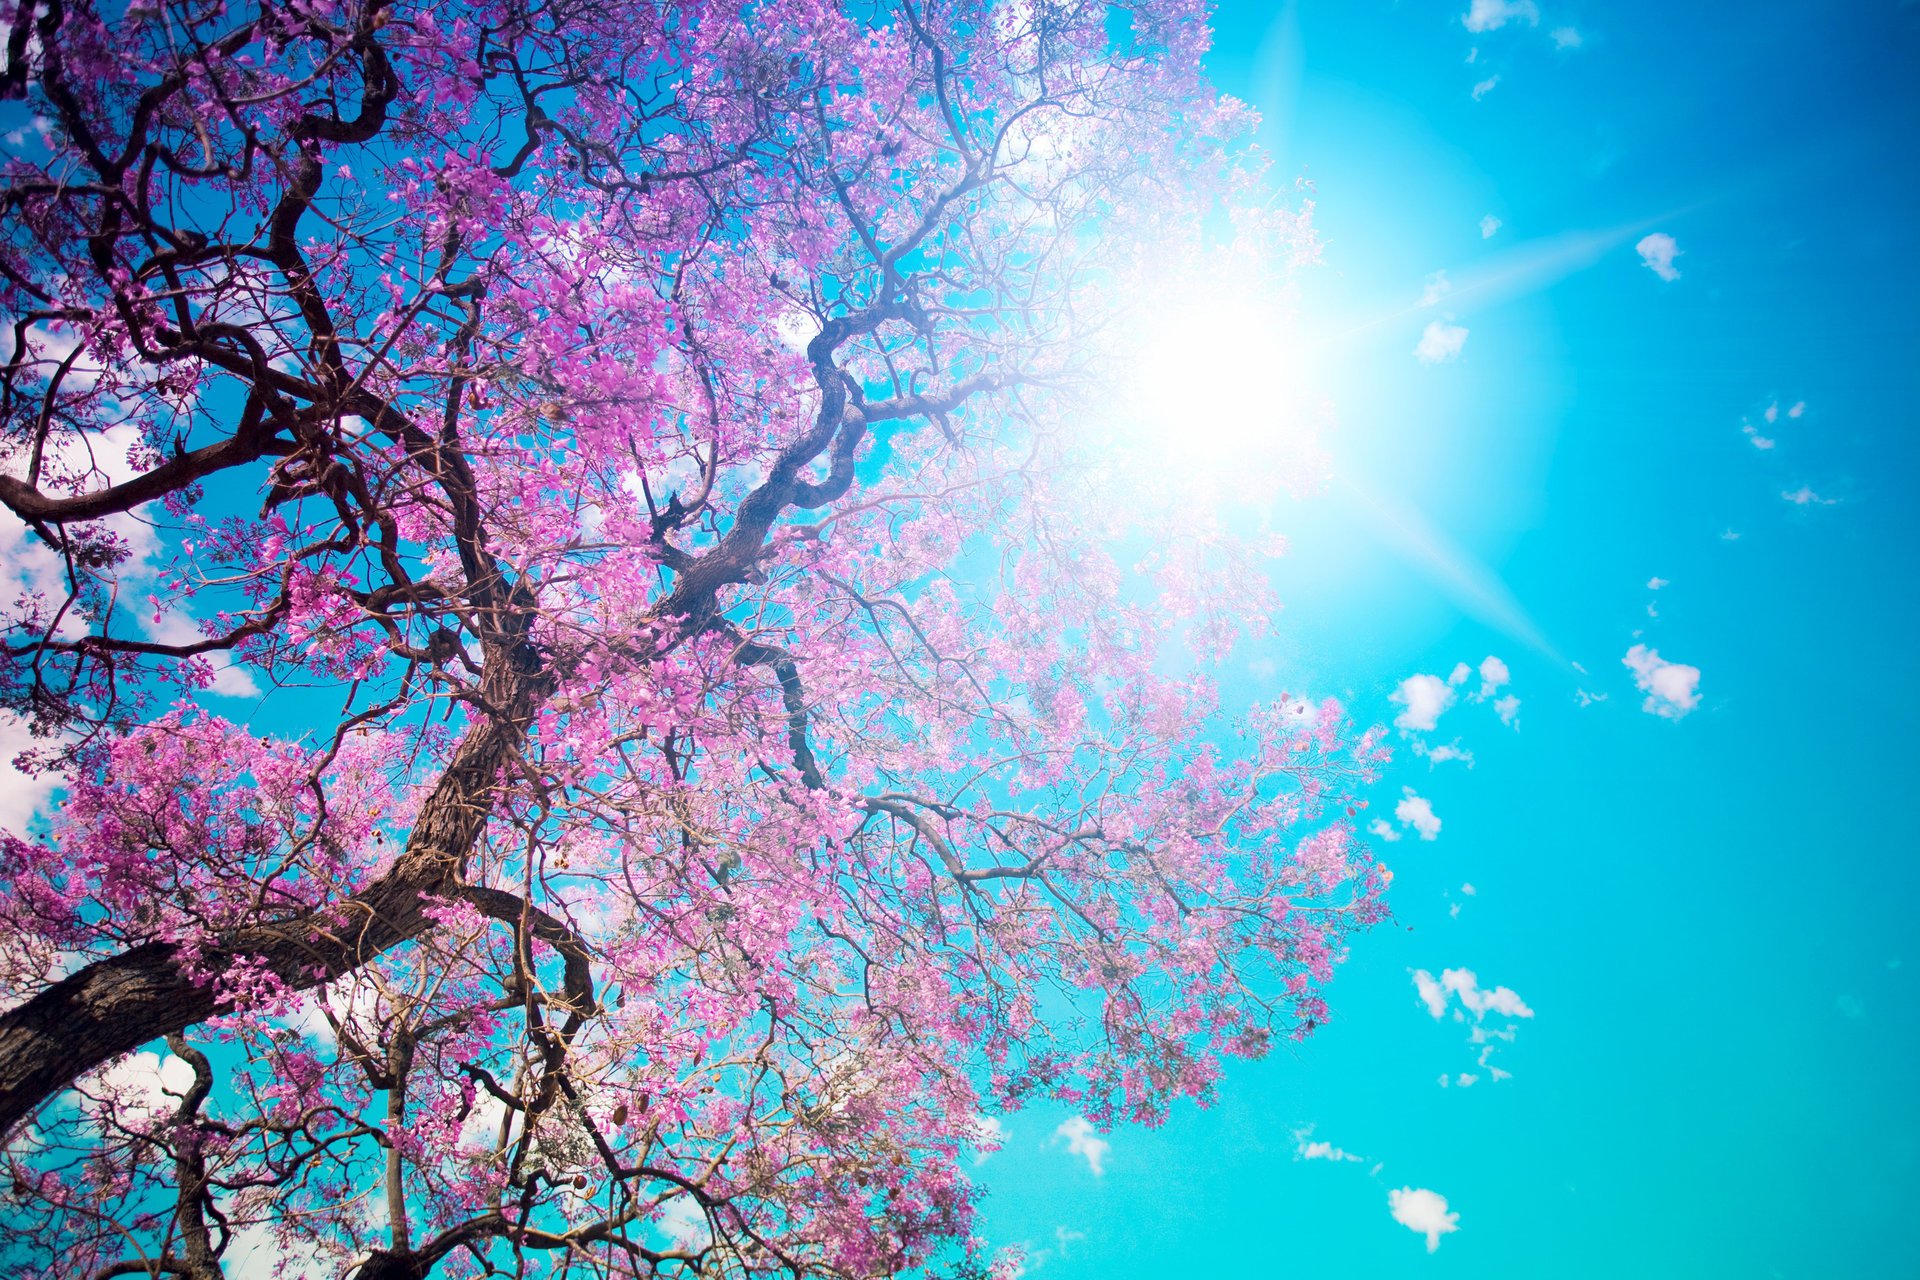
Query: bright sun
[[1215, 381]]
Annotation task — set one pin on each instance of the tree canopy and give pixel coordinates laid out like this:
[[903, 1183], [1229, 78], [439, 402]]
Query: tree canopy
[[612, 702]]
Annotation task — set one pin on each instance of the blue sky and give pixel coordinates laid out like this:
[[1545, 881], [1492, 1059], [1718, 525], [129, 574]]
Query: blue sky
[[1708, 914]]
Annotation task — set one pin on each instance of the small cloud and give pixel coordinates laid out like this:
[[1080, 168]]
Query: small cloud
[[1567, 38], [1423, 1211], [1436, 288], [1082, 1140], [1501, 1000], [989, 1136], [1460, 674], [684, 1222], [1658, 251], [1773, 412], [1383, 829], [1655, 584], [141, 1084], [1468, 889], [1489, 225], [1729, 535], [1754, 437], [1586, 699], [1417, 812], [1799, 408], [1306, 1149], [1485, 87], [1431, 992], [1805, 497], [1493, 674], [1850, 1007], [1466, 1080], [1508, 709], [1442, 754], [1491, 15], [1440, 342], [1425, 698], [1672, 688]]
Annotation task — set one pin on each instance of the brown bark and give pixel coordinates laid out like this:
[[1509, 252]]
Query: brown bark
[[113, 1006]]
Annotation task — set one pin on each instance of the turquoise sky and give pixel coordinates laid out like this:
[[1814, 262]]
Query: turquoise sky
[[1710, 913]]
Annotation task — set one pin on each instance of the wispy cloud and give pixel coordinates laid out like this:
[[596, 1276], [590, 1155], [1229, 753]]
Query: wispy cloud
[[1305, 1148], [1440, 342], [1084, 1141], [1806, 497], [1491, 15]]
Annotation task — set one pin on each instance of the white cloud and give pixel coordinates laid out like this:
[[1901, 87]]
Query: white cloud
[[228, 679], [1493, 677], [1800, 407], [1436, 288], [1729, 535], [1567, 37], [1431, 992], [1469, 890], [1440, 342], [1754, 437], [1305, 1148], [1508, 709], [1672, 688], [1654, 584], [1463, 983], [1425, 698], [1805, 497], [989, 1136], [1501, 1000], [21, 794], [1489, 225], [1441, 754], [1381, 828], [1491, 15], [1418, 1209], [1484, 88], [1082, 1140], [138, 1085], [684, 1222], [1417, 812], [1460, 674], [260, 1251], [1658, 251]]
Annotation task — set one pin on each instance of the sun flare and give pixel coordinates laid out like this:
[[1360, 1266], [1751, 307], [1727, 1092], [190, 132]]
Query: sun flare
[[1214, 381]]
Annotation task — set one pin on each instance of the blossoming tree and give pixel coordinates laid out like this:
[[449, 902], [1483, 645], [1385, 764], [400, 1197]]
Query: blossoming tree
[[611, 703]]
